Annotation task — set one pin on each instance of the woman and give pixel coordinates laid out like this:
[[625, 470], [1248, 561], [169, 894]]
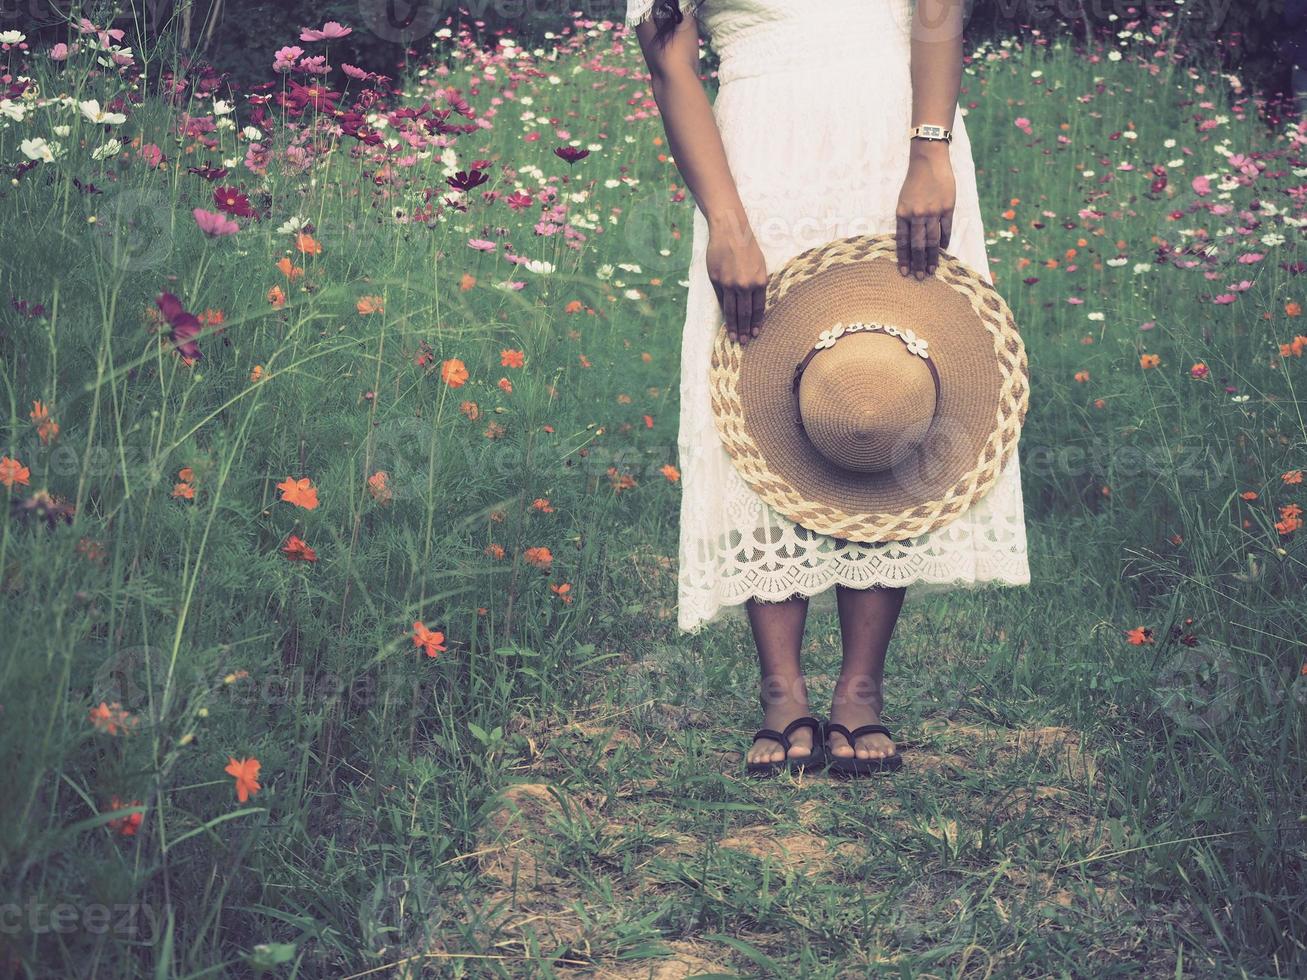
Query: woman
[[808, 141]]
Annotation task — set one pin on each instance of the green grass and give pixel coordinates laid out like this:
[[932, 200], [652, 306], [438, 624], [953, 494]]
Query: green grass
[[559, 790]]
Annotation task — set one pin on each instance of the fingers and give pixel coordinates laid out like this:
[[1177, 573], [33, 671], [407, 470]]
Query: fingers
[[932, 245], [743, 314], [918, 248], [728, 313], [945, 229], [758, 308], [902, 239]]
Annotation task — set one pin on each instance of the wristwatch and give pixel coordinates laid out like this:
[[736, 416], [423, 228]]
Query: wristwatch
[[931, 133]]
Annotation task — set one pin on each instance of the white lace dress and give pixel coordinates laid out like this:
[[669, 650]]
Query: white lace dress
[[814, 105]]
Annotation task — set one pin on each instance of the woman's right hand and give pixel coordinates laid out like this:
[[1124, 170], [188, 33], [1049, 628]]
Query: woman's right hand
[[738, 272]]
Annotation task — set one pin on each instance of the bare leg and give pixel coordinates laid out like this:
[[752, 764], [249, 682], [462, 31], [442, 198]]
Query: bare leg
[[867, 619], [778, 635]]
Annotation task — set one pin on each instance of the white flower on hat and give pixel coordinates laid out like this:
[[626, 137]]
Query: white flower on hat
[[827, 338], [916, 345]]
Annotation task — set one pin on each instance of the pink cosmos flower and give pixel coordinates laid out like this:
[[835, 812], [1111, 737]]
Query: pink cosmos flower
[[61, 51], [152, 155], [1225, 299], [214, 225], [518, 201], [316, 65], [358, 74], [1202, 186], [481, 245], [284, 60], [331, 31]]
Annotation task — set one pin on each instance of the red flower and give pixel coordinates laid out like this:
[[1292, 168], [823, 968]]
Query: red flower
[[232, 201]]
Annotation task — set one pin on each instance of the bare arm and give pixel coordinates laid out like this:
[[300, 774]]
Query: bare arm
[[929, 194], [736, 265]]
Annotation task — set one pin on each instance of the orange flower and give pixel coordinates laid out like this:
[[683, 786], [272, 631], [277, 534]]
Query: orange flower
[[1292, 308], [297, 549], [183, 491], [1248, 495], [1082, 376], [125, 826], [543, 505], [511, 358], [1293, 476], [575, 306], [246, 772], [471, 410], [671, 472], [585, 361], [289, 269], [467, 282], [498, 516], [307, 244], [1099, 403], [646, 357], [1139, 635], [1295, 347], [432, 641], [256, 374], [539, 557], [506, 385], [370, 304], [495, 551], [1290, 519], [277, 297], [377, 487], [562, 591], [12, 471], [46, 427], [648, 421], [1198, 371], [454, 373], [301, 493], [112, 719], [186, 474], [1147, 361], [620, 481], [495, 431]]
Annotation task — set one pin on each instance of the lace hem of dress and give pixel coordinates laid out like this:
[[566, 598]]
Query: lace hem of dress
[[638, 11], [821, 598]]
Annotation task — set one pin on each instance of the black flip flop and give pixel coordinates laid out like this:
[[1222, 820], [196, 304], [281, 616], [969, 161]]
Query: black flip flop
[[838, 765], [814, 760]]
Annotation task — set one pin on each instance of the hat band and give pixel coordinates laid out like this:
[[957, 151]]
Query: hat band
[[918, 346]]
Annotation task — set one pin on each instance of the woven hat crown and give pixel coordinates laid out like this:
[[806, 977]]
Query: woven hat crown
[[866, 402]]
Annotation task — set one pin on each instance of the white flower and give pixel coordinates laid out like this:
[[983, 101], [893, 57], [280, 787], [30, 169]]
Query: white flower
[[827, 338], [222, 108], [12, 110], [1238, 399], [538, 266], [106, 150], [38, 149], [60, 130], [630, 267], [12, 37], [633, 294], [605, 272], [292, 224], [1096, 316], [916, 345], [92, 111]]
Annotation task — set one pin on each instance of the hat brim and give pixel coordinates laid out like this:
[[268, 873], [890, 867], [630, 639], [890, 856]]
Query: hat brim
[[984, 392]]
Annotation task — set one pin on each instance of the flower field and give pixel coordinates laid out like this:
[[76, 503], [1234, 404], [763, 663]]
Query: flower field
[[337, 568]]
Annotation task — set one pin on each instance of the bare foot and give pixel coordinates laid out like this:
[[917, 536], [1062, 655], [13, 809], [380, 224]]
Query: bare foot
[[854, 706], [777, 715]]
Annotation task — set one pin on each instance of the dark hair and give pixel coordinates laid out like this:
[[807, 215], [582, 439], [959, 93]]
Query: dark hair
[[667, 15]]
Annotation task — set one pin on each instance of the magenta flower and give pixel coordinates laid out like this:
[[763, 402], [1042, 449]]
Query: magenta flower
[[213, 224], [466, 181], [284, 60], [331, 31], [152, 155], [184, 327], [518, 201], [571, 153]]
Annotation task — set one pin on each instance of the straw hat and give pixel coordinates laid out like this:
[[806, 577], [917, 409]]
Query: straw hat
[[872, 406]]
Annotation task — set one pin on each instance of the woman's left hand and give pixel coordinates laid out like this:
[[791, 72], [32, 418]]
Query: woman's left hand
[[925, 208]]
